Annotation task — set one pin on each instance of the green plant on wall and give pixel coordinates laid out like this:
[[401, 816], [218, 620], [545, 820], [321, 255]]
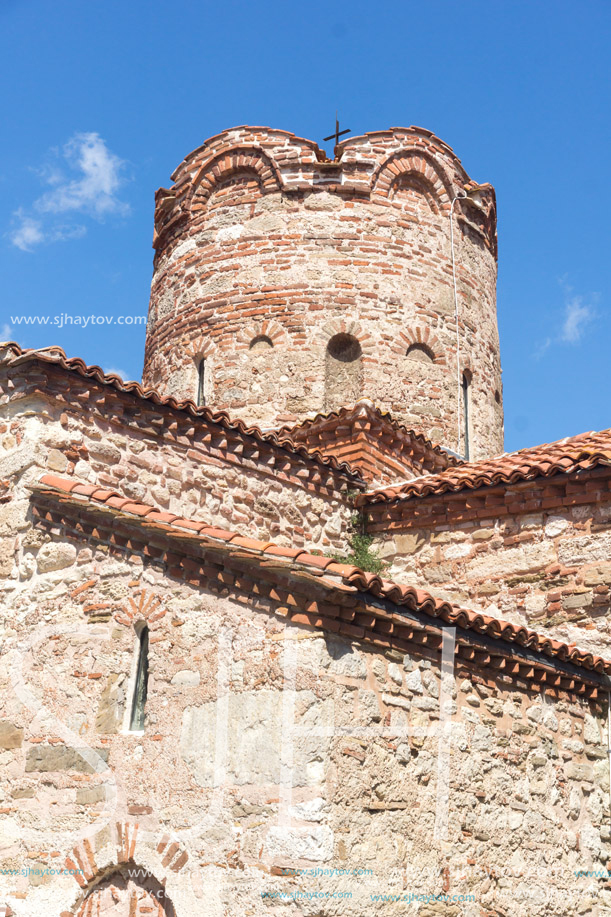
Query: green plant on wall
[[361, 552]]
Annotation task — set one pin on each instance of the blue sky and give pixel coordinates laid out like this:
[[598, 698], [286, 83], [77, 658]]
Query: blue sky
[[102, 100]]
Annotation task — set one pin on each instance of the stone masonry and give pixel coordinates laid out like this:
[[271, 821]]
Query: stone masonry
[[221, 804], [270, 644], [283, 270]]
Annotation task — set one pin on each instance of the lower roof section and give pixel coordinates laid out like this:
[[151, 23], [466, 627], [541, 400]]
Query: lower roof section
[[315, 590], [565, 456], [273, 449]]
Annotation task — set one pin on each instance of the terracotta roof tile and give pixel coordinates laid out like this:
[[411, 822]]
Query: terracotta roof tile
[[138, 509], [251, 543], [220, 534], [182, 523], [15, 355], [155, 516], [344, 570], [565, 456], [278, 550], [314, 560], [102, 493], [386, 446], [64, 484], [116, 501], [351, 576]]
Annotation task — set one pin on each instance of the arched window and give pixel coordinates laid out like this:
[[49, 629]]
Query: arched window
[[136, 719], [261, 342], [201, 380], [421, 353], [466, 406], [343, 371]]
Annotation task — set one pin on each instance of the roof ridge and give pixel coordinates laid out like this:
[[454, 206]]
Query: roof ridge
[[365, 405], [56, 355]]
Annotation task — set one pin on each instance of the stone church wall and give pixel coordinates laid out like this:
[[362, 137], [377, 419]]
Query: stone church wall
[[275, 761], [202, 477], [549, 569]]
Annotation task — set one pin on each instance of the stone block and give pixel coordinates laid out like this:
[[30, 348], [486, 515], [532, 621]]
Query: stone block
[[56, 460], [503, 563], [577, 770], [90, 795], [409, 543], [55, 556], [186, 678], [45, 758], [11, 736]]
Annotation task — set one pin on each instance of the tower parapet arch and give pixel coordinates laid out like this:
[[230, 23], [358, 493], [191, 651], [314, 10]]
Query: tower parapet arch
[[261, 227]]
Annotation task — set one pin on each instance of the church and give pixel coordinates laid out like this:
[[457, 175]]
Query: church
[[284, 630]]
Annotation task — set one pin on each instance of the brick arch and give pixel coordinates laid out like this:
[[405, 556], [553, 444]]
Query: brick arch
[[231, 162], [145, 606], [200, 348], [99, 858], [345, 326], [415, 183], [411, 162], [271, 329], [466, 366], [423, 336]]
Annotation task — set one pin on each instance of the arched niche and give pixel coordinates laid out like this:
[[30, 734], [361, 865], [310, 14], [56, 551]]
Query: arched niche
[[343, 371], [420, 353], [235, 189], [261, 343], [415, 194]]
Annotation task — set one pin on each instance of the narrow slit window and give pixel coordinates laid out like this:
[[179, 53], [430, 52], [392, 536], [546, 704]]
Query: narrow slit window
[[136, 722], [201, 378], [466, 419]]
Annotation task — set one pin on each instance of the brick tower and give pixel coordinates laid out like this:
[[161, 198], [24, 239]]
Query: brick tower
[[287, 284]]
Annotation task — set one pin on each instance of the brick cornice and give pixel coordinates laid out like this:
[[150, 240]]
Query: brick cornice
[[579, 488], [314, 590], [80, 389], [372, 441]]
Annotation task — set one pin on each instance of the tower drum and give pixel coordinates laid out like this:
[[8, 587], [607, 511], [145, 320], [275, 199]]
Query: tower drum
[[287, 284]]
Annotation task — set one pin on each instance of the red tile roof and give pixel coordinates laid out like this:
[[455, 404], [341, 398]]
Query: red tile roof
[[566, 456], [372, 441], [330, 573], [15, 355]]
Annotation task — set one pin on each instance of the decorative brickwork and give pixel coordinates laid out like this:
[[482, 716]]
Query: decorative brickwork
[[203, 708], [260, 229], [371, 441], [207, 808], [420, 337]]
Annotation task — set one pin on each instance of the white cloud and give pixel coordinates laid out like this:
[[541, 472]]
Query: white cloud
[[28, 233], [577, 315], [543, 348], [85, 177], [62, 233], [98, 179], [6, 333], [118, 372]]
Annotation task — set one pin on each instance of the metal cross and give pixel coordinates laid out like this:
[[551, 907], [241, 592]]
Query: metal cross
[[337, 133]]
